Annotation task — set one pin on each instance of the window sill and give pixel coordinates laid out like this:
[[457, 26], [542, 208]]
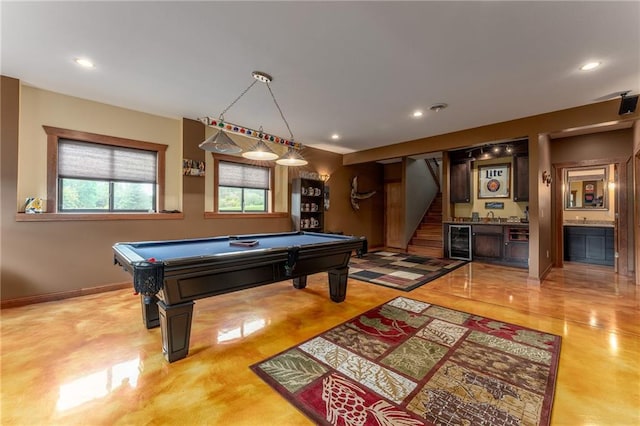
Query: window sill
[[64, 217], [276, 215]]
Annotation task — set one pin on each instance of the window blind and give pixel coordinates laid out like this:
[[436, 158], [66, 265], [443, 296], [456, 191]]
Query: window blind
[[84, 160], [242, 175]]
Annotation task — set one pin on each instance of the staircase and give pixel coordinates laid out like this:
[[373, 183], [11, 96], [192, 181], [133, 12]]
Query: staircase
[[427, 240]]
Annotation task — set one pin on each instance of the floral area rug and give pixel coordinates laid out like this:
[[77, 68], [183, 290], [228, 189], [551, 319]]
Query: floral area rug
[[413, 363], [400, 270]]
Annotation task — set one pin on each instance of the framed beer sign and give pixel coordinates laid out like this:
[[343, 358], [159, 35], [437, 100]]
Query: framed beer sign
[[493, 180]]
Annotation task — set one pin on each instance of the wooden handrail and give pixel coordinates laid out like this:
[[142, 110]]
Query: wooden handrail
[[433, 172]]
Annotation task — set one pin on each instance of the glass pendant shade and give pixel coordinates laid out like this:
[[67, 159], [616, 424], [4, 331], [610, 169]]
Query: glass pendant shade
[[220, 142], [292, 158], [260, 152]]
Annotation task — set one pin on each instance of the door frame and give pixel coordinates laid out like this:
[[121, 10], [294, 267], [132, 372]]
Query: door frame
[[387, 220], [620, 230]]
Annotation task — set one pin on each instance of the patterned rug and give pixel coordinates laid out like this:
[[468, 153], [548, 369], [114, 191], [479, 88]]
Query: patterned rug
[[402, 271], [411, 363]]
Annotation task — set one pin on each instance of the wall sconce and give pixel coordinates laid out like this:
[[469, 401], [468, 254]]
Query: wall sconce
[[324, 178], [546, 178]]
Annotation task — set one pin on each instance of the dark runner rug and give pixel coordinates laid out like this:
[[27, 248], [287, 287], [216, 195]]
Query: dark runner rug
[[412, 363], [402, 271]]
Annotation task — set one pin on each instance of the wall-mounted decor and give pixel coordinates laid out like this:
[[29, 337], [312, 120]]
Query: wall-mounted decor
[[493, 181], [494, 205], [357, 196], [192, 167]]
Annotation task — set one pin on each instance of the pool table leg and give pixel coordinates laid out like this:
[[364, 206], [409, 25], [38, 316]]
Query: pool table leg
[[150, 316], [300, 282], [175, 323], [338, 284]]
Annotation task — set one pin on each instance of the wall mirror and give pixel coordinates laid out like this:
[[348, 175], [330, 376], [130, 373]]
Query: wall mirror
[[586, 188]]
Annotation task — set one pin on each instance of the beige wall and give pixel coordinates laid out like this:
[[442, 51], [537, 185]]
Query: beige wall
[[597, 146], [511, 208], [41, 107], [57, 258]]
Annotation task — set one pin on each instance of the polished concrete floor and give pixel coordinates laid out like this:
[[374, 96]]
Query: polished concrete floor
[[90, 361]]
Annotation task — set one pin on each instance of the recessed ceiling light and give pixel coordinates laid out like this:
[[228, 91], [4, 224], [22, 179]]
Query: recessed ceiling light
[[84, 62], [417, 114], [589, 66], [335, 136]]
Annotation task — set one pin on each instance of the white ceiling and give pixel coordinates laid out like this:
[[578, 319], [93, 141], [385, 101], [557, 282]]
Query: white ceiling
[[354, 68]]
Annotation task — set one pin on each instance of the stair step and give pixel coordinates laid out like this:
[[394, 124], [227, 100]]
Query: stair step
[[425, 242], [432, 219], [430, 226], [425, 251], [428, 233], [427, 239]]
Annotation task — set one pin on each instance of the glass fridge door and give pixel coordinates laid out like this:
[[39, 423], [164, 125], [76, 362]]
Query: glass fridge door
[[460, 242]]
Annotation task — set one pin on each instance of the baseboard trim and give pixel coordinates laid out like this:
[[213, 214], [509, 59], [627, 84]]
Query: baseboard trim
[[543, 275], [50, 297], [546, 272]]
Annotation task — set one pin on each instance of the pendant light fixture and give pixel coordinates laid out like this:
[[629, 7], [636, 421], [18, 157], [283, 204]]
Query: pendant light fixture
[[260, 151], [222, 143], [292, 158]]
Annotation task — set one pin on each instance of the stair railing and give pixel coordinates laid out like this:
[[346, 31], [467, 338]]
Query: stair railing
[[434, 169]]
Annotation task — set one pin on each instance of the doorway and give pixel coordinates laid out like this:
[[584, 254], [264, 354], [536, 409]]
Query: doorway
[[566, 216], [394, 223]]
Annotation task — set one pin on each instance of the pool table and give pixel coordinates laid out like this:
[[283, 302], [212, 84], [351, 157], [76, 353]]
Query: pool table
[[170, 275]]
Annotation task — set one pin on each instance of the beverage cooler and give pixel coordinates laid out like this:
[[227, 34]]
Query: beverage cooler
[[460, 242]]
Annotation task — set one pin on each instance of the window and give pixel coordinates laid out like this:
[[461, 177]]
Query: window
[[242, 187], [97, 173], [96, 177]]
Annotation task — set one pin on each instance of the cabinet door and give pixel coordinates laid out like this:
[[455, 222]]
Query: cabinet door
[[487, 245], [460, 173], [589, 245], [520, 178], [516, 252]]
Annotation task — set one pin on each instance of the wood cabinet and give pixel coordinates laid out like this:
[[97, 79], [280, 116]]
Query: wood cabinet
[[588, 244], [500, 243], [460, 178], [487, 242], [520, 177], [307, 205], [516, 245]]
